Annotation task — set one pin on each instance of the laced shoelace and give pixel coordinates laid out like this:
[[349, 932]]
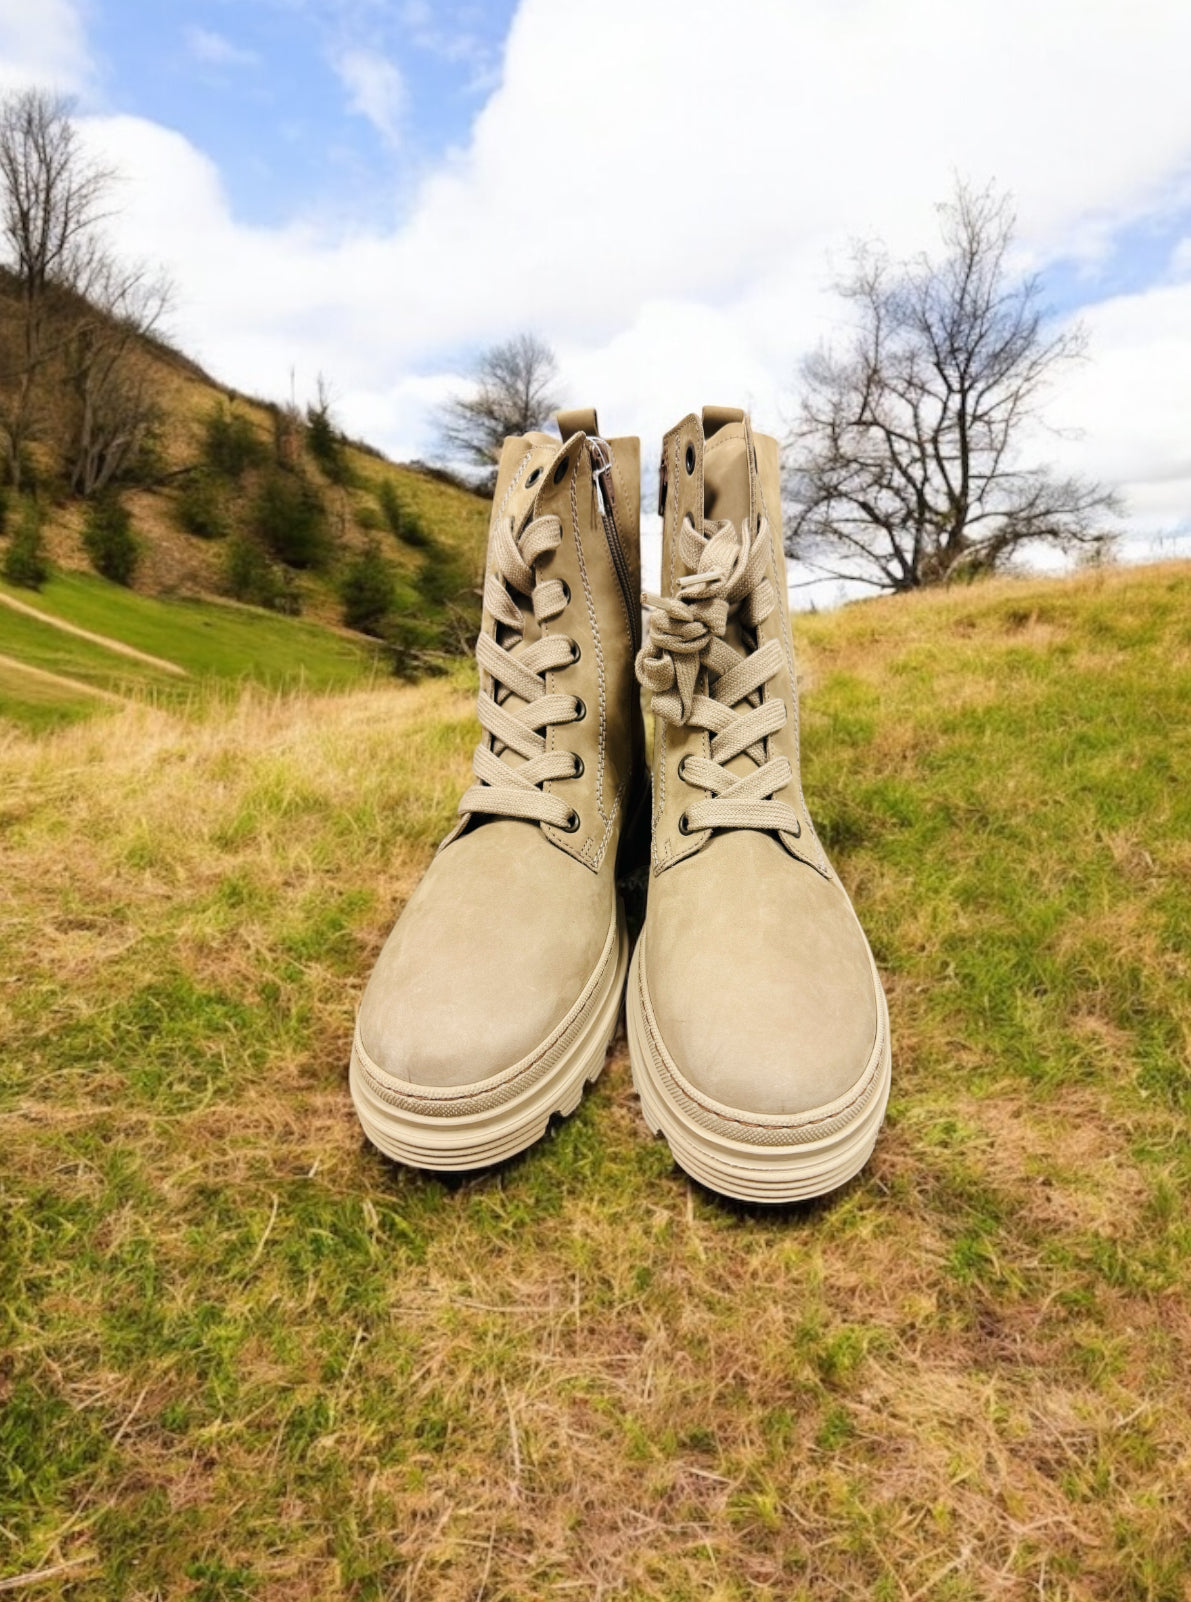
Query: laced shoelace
[[699, 681], [504, 787]]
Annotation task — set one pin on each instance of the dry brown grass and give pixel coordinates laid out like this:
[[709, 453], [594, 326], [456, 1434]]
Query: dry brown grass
[[244, 1356]]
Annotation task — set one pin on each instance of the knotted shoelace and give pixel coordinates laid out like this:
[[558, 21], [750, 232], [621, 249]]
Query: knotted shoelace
[[506, 787], [699, 681]]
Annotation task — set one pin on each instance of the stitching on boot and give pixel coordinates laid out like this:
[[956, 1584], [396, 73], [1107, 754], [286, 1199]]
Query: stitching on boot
[[770, 1127], [661, 847], [521, 466], [624, 605], [509, 1082], [788, 647], [599, 651]]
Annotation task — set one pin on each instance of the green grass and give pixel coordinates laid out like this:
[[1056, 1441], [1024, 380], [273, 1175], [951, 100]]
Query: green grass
[[43, 646], [245, 1356], [33, 705], [209, 639]]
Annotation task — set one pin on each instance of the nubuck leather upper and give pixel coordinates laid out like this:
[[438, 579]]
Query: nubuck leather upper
[[758, 1030], [757, 1026], [495, 997]]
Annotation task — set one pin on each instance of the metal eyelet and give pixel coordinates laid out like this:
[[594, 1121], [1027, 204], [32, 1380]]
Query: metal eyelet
[[683, 826], [682, 768], [566, 590], [580, 709], [571, 826], [690, 460], [533, 477], [560, 472], [578, 773], [576, 653]]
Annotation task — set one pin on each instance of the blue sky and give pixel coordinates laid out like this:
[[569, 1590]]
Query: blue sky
[[374, 190], [323, 107]]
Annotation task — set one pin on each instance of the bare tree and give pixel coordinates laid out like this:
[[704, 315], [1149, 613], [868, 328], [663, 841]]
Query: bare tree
[[513, 393], [904, 467], [108, 375], [50, 203]]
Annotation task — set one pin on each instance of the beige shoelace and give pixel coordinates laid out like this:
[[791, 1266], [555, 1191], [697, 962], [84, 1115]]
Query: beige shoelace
[[505, 787], [699, 681]]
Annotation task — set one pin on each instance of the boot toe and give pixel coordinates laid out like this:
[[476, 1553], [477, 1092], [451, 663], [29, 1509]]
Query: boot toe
[[765, 1000], [490, 954]]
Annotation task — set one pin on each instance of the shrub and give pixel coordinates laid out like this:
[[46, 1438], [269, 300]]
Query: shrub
[[289, 436], [402, 521], [414, 645], [250, 575], [326, 444], [201, 507], [109, 540], [25, 560], [290, 517], [3, 511], [231, 444], [366, 590], [148, 464]]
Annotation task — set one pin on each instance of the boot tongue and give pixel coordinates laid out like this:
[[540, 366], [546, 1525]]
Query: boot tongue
[[726, 478], [728, 493], [522, 505]]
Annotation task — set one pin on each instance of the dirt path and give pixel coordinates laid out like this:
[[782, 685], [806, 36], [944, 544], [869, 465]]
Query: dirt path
[[60, 679], [95, 639]]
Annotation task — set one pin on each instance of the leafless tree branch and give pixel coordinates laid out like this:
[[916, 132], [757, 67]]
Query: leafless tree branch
[[902, 468]]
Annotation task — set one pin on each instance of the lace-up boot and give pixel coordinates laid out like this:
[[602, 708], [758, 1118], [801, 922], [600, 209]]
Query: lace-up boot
[[758, 1030], [496, 995]]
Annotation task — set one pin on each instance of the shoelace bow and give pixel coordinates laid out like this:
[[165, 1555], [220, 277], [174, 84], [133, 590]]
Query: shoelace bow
[[699, 681], [507, 788]]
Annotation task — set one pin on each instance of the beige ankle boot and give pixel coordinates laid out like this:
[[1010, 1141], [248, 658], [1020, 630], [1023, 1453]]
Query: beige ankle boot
[[758, 1031], [494, 1000]]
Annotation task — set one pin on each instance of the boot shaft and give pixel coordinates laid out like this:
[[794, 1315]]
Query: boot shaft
[[592, 486], [712, 468]]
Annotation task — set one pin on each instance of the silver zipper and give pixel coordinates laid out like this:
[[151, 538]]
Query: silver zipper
[[601, 453]]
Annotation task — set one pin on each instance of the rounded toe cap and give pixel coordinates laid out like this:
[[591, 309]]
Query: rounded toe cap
[[760, 979], [491, 952]]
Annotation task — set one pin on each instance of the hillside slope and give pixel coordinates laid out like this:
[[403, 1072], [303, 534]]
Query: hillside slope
[[244, 1356], [103, 644], [204, 476]]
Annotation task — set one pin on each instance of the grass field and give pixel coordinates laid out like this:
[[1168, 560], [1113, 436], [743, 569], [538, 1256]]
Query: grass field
[[243, 1356], [218, 645]]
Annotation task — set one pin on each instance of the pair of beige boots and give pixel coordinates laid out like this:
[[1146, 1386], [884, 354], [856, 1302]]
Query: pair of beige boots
[[757, 1026]]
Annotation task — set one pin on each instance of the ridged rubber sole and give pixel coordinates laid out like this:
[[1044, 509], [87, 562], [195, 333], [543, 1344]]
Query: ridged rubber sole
[[470, 1132], [797, 1170]]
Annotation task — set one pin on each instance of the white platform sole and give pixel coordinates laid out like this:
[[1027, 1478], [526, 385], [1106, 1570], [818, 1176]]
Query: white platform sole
[[804, 1165], [472, 1126]]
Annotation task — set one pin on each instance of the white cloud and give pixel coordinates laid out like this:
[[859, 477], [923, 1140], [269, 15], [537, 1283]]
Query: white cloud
[[375, 88], [660, 196], [43, 43], [213, 49]]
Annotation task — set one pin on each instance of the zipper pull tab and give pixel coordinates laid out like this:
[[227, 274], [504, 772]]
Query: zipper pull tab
[[601, 453]]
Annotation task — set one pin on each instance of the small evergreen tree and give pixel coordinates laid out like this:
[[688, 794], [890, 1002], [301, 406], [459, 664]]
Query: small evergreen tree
[[290, 517], [201, 507], [366, 590], [109, 540], [25, 560], [231, 444], [323, 439], [401, 520], [250, 575]]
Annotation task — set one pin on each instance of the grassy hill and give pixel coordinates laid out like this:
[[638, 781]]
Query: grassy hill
[[233, 497], [212, 648], [244, 1356]]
